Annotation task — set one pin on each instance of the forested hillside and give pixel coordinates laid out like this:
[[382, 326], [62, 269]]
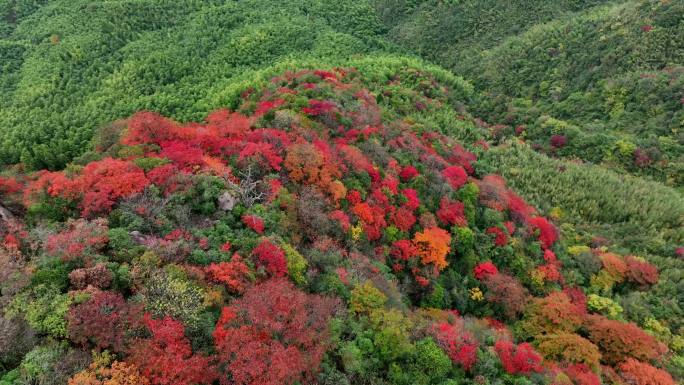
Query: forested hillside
[[71, 66], [437, 192], [598, 81]]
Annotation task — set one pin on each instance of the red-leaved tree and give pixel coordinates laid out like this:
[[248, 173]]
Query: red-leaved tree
[[640, 373], [619, 341], [271, 257], [456, 176], [233, 274], [274, 335], [460, 345], [521, 359], [167, 358], [103, 321], [80, 239]]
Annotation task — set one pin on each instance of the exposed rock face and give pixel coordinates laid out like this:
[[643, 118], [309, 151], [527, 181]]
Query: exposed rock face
[[6, 217], [226, 201]]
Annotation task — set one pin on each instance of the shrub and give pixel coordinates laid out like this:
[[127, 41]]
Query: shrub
[[619, 341], [234, 274], [456, 176], [484, 270], [569, 347], [548, 234], [253, 222], [366, 299], [640, 373], [79, 240], [271, 257], [104, 321], [521, 359], [552, 314], [433, 245], [98, 276], [167, 358], [640, 272], [459, 344], [274, 334], [44, 308], [296, 264], [507, 292], [102, 372]]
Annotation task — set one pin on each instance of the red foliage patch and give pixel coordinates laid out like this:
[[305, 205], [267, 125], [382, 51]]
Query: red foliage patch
[[521, 359], [500, 238], [641, 373], [619, 341], [484, 269], [640, 272], [460, 346], [271, 257], [167, 358], [80, 239], [548, 235], [408, 173], [233, 274], [103, 321], [581, 374], [456, 176], [451, 212], [253, 222], [403, 218], [273, 335]]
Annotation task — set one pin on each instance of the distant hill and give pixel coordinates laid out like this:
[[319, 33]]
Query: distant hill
[[605, 78]]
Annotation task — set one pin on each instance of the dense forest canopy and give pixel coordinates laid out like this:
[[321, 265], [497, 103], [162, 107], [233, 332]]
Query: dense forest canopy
[[435, 192]]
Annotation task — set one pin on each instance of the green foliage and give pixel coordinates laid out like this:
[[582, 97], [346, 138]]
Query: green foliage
[[148, 164], [606, 75], [431, 364], [366, 299], [591, 80], [296, 264], [108, 60], [169, 292], [605, 306], [38, 363], [44, 308], [639, 214]]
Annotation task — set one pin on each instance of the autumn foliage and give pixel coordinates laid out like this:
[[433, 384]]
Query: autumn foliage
[[456, 176], [167, 358], [433, 245], [178, 250], [619, 341], [79, 240], [274, 334], [485, 269], [520, 359], [461, 346], [104, 321], [118, 373], [552, 314], [640, 373], [233, 274], [271, 257], [96, 187], [569, 347]]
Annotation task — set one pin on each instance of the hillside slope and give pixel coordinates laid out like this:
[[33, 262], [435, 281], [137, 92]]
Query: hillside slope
[[604, 79], [71, 66], [341, 192], [329, 230]]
